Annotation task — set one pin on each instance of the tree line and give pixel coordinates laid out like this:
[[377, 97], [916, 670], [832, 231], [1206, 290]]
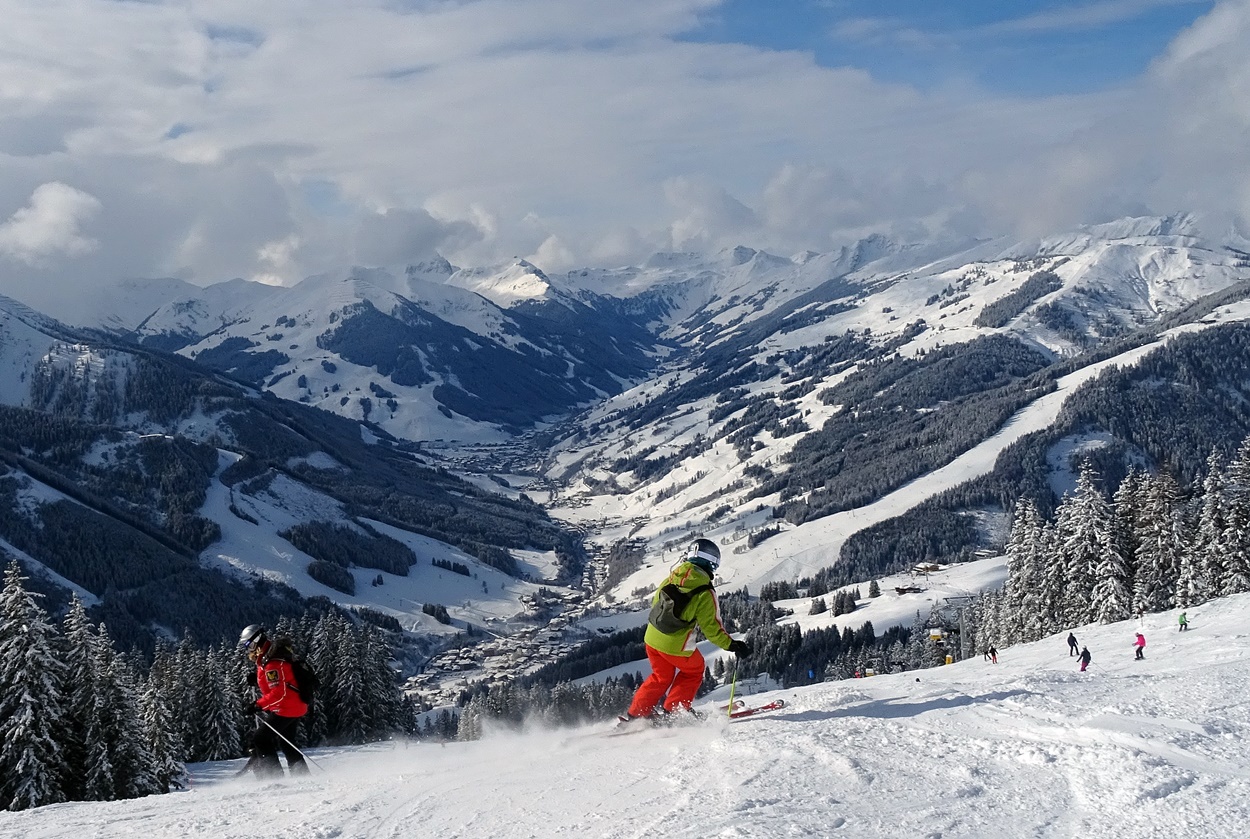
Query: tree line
[[80, 721], [1150, 547]]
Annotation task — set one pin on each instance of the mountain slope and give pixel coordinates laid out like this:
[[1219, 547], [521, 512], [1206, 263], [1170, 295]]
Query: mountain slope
[[132, 474], [800, 426], [1023, 748]]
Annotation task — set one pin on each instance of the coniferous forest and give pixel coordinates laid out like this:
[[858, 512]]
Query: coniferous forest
[[80, 721]]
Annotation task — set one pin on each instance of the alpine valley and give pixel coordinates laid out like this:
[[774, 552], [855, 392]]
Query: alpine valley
[[487, 461]]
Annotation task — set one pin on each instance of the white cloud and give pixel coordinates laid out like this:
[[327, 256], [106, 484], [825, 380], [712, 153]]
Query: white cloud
[[49, 225], [708, 217], [394, 237], [1082, 17], [584, 132], [552, 256]]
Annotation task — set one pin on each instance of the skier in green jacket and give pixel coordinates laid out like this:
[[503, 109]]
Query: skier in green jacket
[[676, 663]]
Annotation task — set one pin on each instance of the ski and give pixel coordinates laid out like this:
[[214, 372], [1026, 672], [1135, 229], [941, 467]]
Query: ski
[[740, 710], [742, 713]]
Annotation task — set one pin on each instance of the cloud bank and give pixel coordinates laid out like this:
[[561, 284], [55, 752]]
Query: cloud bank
[[210, 139]]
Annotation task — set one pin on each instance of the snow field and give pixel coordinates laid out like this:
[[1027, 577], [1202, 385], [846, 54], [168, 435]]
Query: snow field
[[1025, 748]]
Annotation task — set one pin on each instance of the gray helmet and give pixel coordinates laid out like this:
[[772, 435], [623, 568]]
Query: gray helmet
[[251, 636], [705, 552]]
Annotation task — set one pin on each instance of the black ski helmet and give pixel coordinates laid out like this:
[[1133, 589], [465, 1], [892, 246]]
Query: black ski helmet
[[251, 635], [705, 552]]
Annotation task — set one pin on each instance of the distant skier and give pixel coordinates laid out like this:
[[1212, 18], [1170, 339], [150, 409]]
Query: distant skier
[[1140, 645], [1085, 658], [279, 708], [1183, 621], [1072, 645], [993, 653], [676, 663]]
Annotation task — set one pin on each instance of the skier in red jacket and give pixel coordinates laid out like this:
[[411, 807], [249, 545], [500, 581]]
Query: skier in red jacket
[[279, 708]]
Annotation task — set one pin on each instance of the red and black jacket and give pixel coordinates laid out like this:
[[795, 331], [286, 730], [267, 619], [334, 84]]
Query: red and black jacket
[[276, 680]]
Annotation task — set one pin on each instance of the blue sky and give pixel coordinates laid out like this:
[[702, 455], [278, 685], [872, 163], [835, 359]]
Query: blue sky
[[1025, 48]]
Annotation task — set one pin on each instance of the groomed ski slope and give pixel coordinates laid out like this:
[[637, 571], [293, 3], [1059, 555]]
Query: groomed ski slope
[[1027, 747]]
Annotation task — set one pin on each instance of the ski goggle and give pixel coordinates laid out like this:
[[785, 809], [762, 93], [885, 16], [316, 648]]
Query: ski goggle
[[704, 556]]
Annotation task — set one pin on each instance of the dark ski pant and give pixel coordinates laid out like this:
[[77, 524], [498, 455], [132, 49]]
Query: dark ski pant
[[1140, 655], [266, 744]]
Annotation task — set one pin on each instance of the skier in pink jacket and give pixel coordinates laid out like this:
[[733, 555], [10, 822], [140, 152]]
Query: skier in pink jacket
[[1140, 644]]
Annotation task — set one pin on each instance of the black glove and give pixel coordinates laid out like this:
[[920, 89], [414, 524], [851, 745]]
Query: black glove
[[739, 647], [250, 708]]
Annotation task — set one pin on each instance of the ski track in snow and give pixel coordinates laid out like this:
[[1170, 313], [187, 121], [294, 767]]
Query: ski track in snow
[[1025, 748]]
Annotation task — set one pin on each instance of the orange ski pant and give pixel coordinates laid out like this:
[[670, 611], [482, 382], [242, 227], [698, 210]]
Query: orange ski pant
[[677, 675]]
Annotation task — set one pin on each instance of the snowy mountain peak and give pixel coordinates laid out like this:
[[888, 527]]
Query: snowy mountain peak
[[434, 269], [506, 286]]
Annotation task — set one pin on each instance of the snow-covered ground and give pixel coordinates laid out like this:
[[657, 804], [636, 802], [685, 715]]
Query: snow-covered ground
[[1027, 747]]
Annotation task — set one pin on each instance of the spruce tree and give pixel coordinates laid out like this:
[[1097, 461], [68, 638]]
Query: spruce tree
[[1234, 546], [1019, 618], [1206, 561], [1083, 531], [351, 714], [1161, 540], [86, 749], [161, 737], [1113, 589], [1052, 581], [32, 711], [1126, 506], [132, 762], [218, 702]]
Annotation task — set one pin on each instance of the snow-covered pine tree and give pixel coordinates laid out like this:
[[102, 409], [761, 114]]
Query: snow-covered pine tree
[[161, 737], [1113, 588], [1207, 561], [133, 763], [1050, 583], [121, 728], [1126, 513], [469, 726], [1099, 577], [86, 750], [32, 712], [320, 639], [350, 715], [382, 686], [1083, 529], [992, 609], [1019, 621], [1234, 547], [175, 676], [1161, 539], [895, 658], [217, 700]]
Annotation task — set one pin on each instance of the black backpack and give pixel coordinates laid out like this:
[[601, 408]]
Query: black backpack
[[671, 602], [306, 681]]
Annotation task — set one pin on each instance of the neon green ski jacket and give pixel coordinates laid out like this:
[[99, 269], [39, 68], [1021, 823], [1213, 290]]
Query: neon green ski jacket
[[702, 608]]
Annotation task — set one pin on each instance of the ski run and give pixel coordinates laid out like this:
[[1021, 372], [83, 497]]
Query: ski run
[[1026, 747]]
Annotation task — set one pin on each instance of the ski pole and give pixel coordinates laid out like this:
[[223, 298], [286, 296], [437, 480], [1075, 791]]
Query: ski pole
[[292, 745], [732, 687]]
